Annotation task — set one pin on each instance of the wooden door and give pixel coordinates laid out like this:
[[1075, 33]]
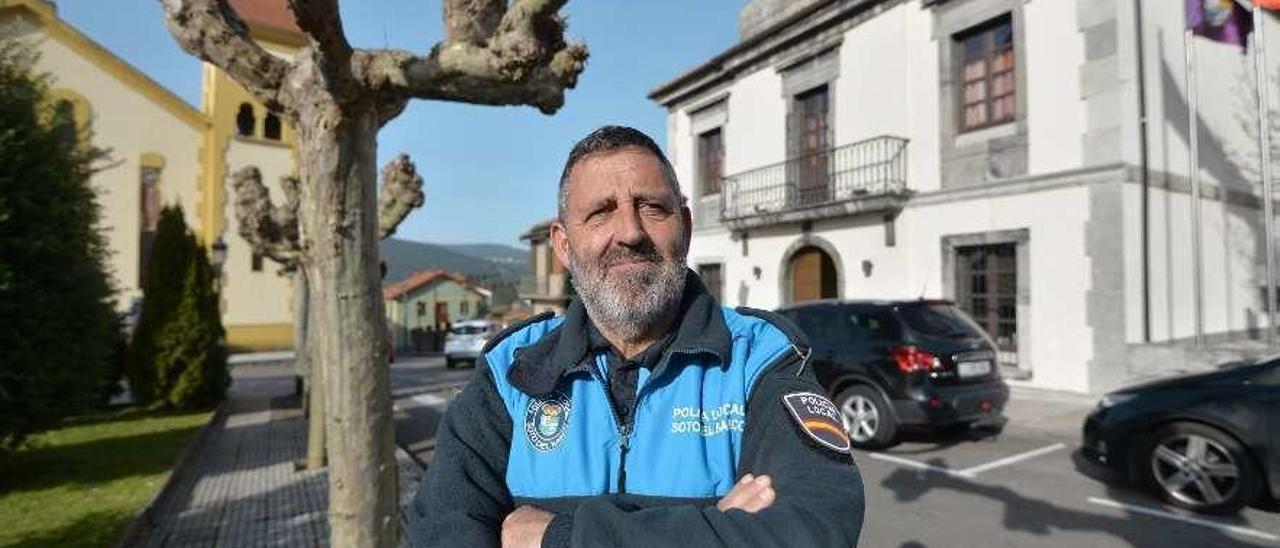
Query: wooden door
[[813, 275], [442, 316]]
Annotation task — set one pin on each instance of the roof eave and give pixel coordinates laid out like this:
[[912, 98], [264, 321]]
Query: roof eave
[[718, 67]]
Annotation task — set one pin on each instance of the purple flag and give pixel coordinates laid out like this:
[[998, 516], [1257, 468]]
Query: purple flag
[[1223, 21]]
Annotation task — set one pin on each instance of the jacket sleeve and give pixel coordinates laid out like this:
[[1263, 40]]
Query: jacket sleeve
[[464, 498], [819, 491]]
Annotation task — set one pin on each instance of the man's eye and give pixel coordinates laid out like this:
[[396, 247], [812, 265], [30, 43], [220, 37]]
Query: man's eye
[[653, 209], [597, 215]]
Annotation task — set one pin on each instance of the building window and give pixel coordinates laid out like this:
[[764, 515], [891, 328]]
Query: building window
[[149, 205], [64, 112], [713, 278], [463, 308], [257, 262], [245, 120], [810, 136], [422, 309], [711, 161], [271, 127], [987, 288], [986, 74]]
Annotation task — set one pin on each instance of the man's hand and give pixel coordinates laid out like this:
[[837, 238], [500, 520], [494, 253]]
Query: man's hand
[[524, 527], [752, 494]]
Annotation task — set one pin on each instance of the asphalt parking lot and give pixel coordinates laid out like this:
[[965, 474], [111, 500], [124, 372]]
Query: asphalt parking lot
[[1027, 487], [1023, 487]]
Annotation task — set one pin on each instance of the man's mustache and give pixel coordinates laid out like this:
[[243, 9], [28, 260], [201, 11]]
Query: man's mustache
[[645, 252]]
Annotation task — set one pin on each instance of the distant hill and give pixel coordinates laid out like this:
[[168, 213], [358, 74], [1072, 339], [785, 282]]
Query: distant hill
[[496, 267], [497, 253]]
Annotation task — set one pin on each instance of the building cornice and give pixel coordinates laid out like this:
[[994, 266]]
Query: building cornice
[[779, 37]]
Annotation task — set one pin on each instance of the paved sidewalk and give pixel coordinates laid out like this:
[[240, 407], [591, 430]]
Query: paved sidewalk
[[240, 487], [1049, 411]]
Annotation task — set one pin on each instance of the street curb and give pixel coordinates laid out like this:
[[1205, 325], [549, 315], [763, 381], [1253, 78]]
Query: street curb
[[143, 523]]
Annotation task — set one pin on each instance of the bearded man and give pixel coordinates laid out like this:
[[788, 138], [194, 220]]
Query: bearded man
[[646, 415]]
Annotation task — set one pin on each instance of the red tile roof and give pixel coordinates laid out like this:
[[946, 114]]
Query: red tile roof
[[274, 14], [422, 278]]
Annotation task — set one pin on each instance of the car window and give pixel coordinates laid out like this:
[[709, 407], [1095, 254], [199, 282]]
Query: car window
[[940, 320], [468, 330], [872, 326], [823, 325], [1270, 376]]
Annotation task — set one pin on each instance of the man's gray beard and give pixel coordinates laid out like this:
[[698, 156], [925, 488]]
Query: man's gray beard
[[631, 306]]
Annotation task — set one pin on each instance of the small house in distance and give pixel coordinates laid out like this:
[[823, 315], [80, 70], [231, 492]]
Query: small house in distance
[[550, 289], [421, 307]]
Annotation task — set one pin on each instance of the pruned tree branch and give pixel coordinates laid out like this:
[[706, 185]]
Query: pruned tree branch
[[472, 21], [272, 232], [321, 21], [525, 61], [401, 192], [210, 30]]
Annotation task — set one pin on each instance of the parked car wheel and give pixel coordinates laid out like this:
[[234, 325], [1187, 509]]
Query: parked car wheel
[[1202, 469], [867, 417]]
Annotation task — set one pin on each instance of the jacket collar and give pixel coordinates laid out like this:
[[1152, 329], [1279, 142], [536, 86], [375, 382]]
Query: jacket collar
[[700, 329]]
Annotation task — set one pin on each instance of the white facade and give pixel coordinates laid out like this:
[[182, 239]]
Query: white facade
[[1061, 181]]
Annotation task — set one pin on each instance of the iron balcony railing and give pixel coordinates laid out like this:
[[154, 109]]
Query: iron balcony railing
[[873, 167]]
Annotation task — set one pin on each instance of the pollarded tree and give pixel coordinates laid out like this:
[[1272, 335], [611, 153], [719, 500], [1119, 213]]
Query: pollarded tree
[[337, 98], [272, 232]]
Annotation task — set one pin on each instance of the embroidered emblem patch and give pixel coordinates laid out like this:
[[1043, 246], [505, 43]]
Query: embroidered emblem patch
[[819, 418], [546, 421]]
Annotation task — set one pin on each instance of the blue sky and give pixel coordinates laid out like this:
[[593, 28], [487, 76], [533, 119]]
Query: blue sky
[[490, 171]]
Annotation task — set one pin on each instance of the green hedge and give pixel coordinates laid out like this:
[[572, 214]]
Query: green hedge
[[59, 334]]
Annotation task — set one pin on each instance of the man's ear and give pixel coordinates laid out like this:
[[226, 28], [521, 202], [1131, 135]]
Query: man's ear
[[560, 243]]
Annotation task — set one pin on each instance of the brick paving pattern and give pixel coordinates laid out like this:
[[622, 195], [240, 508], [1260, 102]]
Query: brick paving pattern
[[240, 487]]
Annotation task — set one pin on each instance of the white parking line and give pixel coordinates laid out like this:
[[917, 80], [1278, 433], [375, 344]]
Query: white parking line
[[422, 400], [975, 470], [1185, 519], [920, 465]]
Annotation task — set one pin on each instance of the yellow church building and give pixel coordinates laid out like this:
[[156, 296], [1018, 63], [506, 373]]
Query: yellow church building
[[165, 151]]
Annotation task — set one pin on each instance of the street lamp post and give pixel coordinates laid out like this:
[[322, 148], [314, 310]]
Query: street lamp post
[[217, 258]]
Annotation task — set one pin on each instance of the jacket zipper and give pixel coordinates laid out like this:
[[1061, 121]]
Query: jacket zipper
[[624, 432]]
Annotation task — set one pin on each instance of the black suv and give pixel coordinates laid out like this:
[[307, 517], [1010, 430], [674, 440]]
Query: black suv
[[893, 363]]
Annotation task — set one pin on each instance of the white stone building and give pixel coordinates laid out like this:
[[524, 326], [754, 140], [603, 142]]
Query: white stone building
[[985, 151]]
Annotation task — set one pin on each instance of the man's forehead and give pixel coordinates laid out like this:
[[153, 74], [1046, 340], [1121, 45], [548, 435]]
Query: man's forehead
[[632, 169]]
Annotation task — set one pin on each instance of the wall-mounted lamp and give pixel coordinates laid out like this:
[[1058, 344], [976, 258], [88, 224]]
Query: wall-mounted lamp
[[866, 268]]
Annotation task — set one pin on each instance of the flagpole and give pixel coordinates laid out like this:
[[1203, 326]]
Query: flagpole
[[1194, 131], [1264, 146]]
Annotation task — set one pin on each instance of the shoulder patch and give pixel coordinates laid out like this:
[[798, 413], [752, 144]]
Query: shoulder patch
[[793, 333], [819, 419], [513, 328]]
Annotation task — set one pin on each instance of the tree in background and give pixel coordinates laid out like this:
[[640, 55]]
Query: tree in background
[[337, 98], [272, 232], [177, 358], [58, 331]]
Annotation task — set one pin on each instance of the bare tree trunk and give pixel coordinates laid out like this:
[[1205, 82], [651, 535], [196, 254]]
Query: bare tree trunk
[[347, 331], [314, 375]]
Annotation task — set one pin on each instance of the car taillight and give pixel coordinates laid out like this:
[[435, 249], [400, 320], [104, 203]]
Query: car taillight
[[913, 360]]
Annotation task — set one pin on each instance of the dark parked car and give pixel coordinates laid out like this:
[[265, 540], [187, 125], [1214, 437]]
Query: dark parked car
[[1208, 442], [893, 363]]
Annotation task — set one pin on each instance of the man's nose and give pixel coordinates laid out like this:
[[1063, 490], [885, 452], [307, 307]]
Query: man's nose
[[630, 230]]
